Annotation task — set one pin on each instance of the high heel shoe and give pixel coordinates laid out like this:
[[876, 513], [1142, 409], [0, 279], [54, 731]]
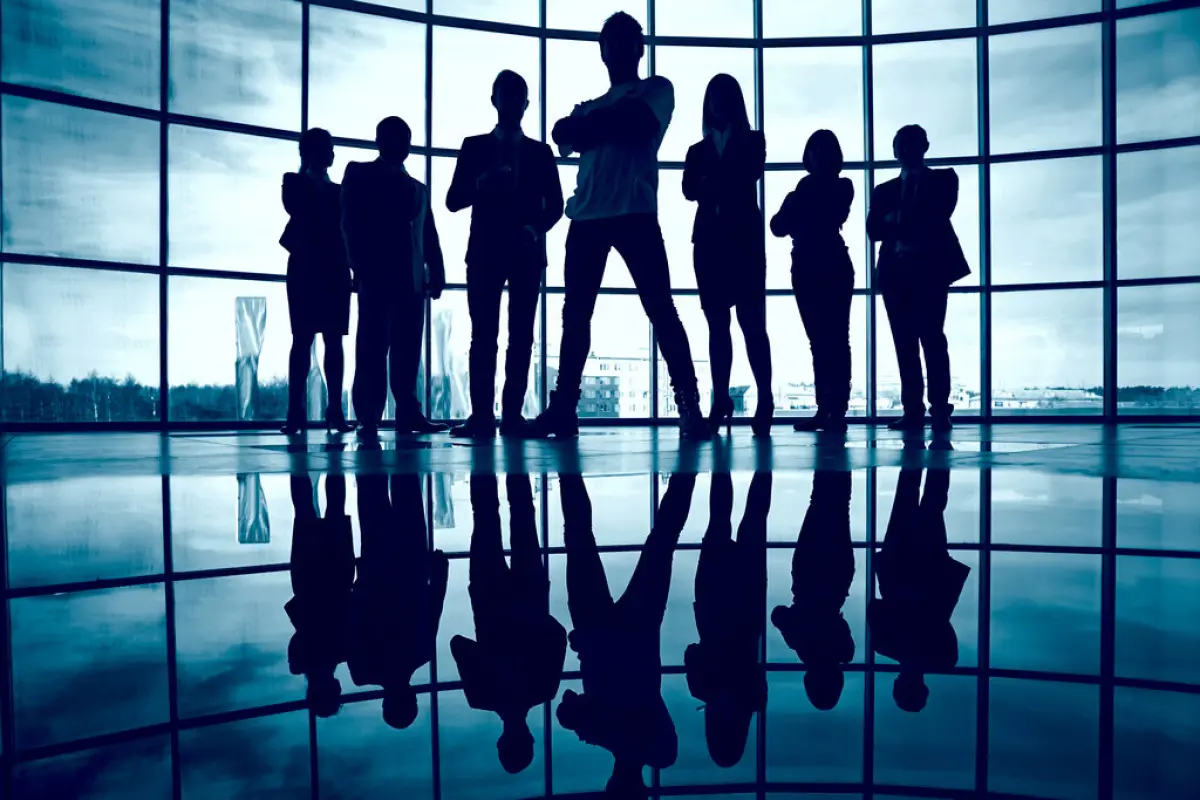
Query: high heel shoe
[[764, 417], [292, 428], [721, 413], [338, 425]]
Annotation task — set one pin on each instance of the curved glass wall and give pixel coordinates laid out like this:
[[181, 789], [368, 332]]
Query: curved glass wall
[[143, 142]]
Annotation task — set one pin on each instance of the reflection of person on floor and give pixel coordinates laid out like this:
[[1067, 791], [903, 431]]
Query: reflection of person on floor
[[919, 584], [397, 599], [621, 708], [322, 567], [822, 571], [723, 670], [516, 659]]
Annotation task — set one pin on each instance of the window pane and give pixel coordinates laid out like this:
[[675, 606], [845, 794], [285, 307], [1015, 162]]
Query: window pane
[[1158, 203], [791, 358], [1157, 360], [676, 216], [962, 332], [690, 69], [79, 183], [465, 64], [854, 232], [80, 345], [574, 73], [965, 217], [589, 16], [104, 50], [1158, 76], [811, 18], [517, 12], [616, 274], [143, 762], [207, 770], [228, 340], [808, 88], [932, 84], [1045, 89], [225, 207], [1047, 352], [1047, 221], [237, 60], [899, 16], [407, 5], [616, 378], [363, 68], [1001, 11], [704, 18], [454, 229]]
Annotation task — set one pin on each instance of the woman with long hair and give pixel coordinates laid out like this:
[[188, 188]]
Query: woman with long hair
[[721, 175], [822, 274], [318, 279]]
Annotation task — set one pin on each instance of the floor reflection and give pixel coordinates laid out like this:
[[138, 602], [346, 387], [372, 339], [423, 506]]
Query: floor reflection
[[892, 631]]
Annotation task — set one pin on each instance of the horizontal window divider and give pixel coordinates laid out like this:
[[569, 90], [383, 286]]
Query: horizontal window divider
[[77, 263], [1045, 155], [1157, 144], [77, 101], [229, 126], [201, 272], [1002, 288], [1174, 280]]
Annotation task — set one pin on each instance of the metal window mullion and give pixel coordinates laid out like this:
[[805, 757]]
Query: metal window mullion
[[760, 83], [7, 698], [1109, 139], [985, 214], [164, 254], [984, 628], [170, 635], [1108, 614], [868, 60], [429, 185], [543, 364], [654, 377], [868, 742]]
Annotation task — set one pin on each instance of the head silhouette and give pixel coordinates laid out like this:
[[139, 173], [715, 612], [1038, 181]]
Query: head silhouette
[[399, 706], [622, 44], [316, 149], [823, 153], [394, 139], [570, 710], [910, 145], [823, 684], [724, 105], [515, 747], [910, 692], [726, 729], [510, 97], [324, 695]]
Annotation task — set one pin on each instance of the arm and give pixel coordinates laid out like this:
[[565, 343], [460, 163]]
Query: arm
[[433, 255], [695, 181], [946, 198], [552, 194], [749, 158], [840, 208], [879, 227], [628, 121], [464, 183], [291, 194], [351, 213], [784, 221]]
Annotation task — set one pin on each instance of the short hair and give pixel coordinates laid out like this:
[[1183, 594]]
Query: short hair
[[393, 127], [824, 140], [508, 77], [314, 142], [622, 24], [914, 132]]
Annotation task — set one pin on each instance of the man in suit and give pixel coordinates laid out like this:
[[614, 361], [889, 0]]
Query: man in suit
[[919, 257], [511, 182], [397, 258]]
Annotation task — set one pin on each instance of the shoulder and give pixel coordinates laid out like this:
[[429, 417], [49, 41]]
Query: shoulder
[[542, 149], [697, 149], [946, 175], [845, 185], [472, 142], [886, 186], [354, 169], [656, 86]]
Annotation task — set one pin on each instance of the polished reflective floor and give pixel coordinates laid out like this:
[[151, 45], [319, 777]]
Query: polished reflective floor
[[935, 621]]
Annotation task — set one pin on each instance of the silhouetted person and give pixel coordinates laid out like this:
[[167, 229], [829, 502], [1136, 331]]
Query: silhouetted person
[[515, 661], [721, 175], [615, 205], [397, 260], [398, 596], [919, 586], [724, 670], [822, 274], [322, 567], [621, 708], [318, 279], [822, 571], [511, 184], [919, 257]]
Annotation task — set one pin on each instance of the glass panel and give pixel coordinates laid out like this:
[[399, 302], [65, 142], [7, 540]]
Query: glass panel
[[237, 60], [1158, 514], [689, 69], [1158, 365], [1045, 89], [589, 16], [965, 217], [1034, 508], [962, 332], [96, 360], [1156, 601], [109, 51], [1158, 203], [465, 64], [811, 18], [477, 772], [900, 16], [1048, 221], [834, 751], [676, 215], [932, 84], [363, 68], [1158, 76], [935, 747], [100, 774], [625, 520], [517, 12], [616, 377], [1154, 736], [808, 88], [213, 759], [704, 18], [1001, 11], [791, 359], [454, 229], [79, 183], [407, 5], [225, 207], [352, 741], [1047, 352], [854, 232], [213, 358]]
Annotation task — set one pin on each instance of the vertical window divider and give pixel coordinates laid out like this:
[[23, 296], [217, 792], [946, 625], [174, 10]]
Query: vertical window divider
[[985, 212], [164, 254], [654, 389], [868, 62], [428, 371], [1109, 173], [760, 82], [543, 105]]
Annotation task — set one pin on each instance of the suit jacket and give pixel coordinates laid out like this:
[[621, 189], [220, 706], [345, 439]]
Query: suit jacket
[[314, 233], [725, 185], [388, 224], [813, 215], [922, 221], [499, 215], [514, 674]]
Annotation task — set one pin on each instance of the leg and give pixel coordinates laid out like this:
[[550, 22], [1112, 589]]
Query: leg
[[645, 598], [487, 567], [527, 569], [299, 363], [809, 306], [335, 368], [407, 327], [302, 498], [524, 281], [838, 368], [335, 496], [903, 319], [408, 509], [588, 597], [720, 350], [588, 245], [932, 332], [752, 319], [485, 284], [370, 369]]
